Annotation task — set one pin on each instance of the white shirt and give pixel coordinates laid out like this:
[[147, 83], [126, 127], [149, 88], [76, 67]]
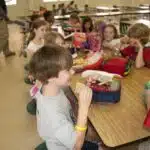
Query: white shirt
[[32, 47], [114, 42], [147, 45]]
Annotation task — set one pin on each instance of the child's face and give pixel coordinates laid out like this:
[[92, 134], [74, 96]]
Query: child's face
[[64, 78], [87, 25], [41, 31], [109, 34]]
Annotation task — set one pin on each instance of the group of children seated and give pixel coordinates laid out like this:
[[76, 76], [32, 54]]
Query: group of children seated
[[62, 9], [51, 65]]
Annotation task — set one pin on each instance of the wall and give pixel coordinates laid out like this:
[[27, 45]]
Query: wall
[[23, 7]]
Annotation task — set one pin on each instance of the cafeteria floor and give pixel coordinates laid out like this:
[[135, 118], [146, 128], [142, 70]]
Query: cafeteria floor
[[17, 127]]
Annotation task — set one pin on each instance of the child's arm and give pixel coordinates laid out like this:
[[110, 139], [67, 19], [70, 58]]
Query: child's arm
[[85, 96], [72, 137], [124, 40], [139, 62]]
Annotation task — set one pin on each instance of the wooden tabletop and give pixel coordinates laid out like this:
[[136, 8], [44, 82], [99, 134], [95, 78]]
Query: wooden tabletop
[[121, 123]]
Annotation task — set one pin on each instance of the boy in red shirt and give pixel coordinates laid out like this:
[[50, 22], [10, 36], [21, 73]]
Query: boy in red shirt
[[138, 50]]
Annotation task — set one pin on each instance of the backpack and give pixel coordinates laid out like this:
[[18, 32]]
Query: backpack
[[117, 65]]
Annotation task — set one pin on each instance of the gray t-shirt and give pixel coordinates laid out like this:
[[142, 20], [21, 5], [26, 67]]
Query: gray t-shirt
[[54, 121]]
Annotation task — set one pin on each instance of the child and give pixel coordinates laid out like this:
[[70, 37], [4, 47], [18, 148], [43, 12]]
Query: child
[[54, 10], [42, 10], [95, 37], [26, 33], [110, 37], [37, 36], [70, 7], [51, 65], [49, 17], [61, 9], [54, 38], [87, 25], [76, 7], [74, 22], [111, 40], [138, 38], [86, 8], [36, 17], [36, 42], [49, 38]]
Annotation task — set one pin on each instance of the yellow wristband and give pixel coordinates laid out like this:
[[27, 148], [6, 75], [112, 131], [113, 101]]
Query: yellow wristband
[[80, 128]]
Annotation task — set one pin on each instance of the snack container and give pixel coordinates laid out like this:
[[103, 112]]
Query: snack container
[[79, 40], [104, 95], [107, 88]]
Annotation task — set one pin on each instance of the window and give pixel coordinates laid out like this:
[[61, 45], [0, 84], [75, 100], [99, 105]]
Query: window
[[11, 2]]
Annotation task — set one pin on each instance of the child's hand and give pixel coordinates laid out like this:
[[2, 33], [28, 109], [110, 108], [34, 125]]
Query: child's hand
[[136, 43], [85, 97], [125, 39]]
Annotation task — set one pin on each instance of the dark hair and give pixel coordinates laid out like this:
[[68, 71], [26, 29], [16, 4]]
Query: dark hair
[[114, 28], [74, 16], [71, 3], [85, 20], [35, 17], [42, 8], [35, 25], [59, 6], [49, 17], [139, 31], [49, 61]]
